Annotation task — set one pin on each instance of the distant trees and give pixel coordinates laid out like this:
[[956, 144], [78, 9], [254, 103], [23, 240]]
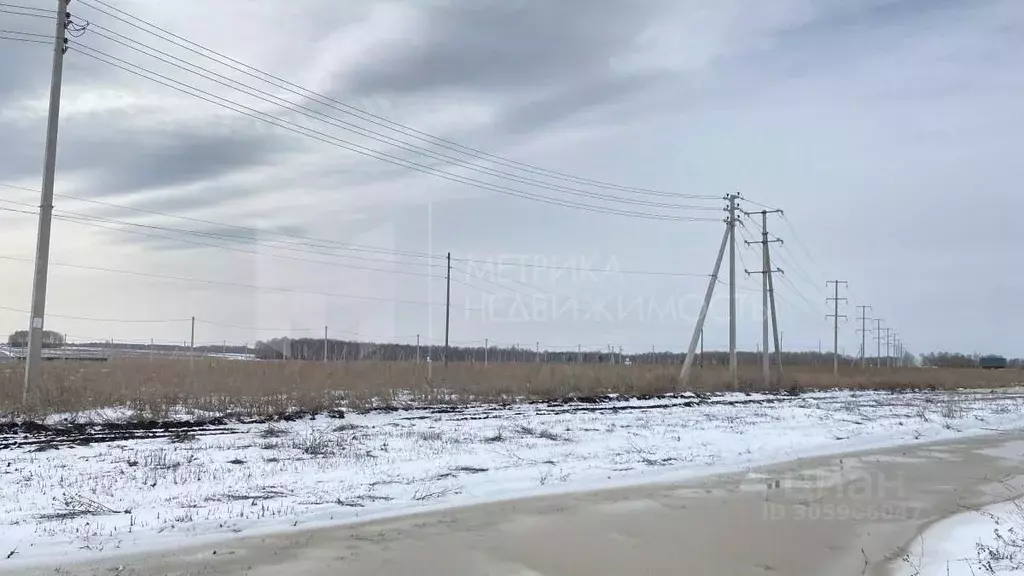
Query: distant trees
[[51, 339], [958, 360], [342, 350]]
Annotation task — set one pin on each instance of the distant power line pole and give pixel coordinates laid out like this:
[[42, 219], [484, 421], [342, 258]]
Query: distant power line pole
[[835, 325], [863, 334], [887, 335], [878, 341], [34, 354], [325, 344], [447, 307]]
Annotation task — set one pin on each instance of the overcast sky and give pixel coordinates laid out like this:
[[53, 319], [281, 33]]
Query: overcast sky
[[888, 130]]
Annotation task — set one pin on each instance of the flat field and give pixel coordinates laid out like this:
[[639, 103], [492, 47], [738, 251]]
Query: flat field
[[155, 388]]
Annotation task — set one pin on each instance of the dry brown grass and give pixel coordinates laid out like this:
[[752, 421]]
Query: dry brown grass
[[154, 388]]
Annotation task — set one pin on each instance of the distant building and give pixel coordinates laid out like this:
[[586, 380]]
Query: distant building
[[992, 362]]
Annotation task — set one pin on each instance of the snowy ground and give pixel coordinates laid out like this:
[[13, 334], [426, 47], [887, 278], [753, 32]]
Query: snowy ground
[[989, 541], [984, 542], [61, 500]]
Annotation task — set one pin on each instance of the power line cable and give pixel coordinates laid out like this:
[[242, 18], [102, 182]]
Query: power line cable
[[792, 262], [304, 240], [363, 150], [87, 220], [350, 127], [230, 284], [348, 109], [758, 204], [29, 8], [786, 280], [33, 34], [112, 320], [497, 283], [581, 269], [784, 277], [307, 241], [26, 40], [26, 14], [800, 242]]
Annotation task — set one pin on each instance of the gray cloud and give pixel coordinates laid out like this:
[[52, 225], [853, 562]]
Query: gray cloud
[[196, 236], [603, 92], [25, 66], [499, 46], [130, 159]]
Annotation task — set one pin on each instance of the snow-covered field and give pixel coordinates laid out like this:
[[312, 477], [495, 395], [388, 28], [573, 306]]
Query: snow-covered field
[[63, 499]]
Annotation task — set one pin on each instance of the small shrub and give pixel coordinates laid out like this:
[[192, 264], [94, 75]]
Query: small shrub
[[316, 443]]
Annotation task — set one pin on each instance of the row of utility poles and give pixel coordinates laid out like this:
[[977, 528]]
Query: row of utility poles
[[895, 349]]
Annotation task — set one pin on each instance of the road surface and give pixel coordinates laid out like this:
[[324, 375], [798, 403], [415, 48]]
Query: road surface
[[821, 516]]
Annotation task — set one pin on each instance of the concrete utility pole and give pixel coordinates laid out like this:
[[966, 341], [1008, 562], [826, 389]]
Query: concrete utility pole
[[835, 326], [698, 330], [887, 336], [417, 348], [733, 374], [34, 354], [768, 311], [192, 339], [863, 333], [537, 354], [447, 307], [890, 341], [775, 317], [325, 344], [487, 345], [878, 342], [702, 347]]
